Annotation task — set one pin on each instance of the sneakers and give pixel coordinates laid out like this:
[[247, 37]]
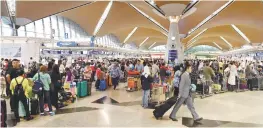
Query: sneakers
[[42, 114], [51, 113]]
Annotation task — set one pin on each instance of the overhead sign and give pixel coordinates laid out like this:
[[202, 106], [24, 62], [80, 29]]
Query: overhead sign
[[66, 44]]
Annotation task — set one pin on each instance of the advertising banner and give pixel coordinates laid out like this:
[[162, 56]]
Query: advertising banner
[[10, 50]]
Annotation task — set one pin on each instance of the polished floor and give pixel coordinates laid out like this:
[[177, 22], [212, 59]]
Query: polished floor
[[119, 108]]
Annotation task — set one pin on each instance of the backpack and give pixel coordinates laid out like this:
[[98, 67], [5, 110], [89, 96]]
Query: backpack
[[38, 86], [19, 90], [114, 73]]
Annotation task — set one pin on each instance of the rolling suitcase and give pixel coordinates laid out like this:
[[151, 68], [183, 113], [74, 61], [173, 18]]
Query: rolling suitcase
[[103, 85], [255, 82], [89, 87], [160, 110], [82, 89], [34, 106], [3, 114], [21, 108]]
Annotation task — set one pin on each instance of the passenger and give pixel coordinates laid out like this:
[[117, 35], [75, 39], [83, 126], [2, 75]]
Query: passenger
[[11, 74], [146, 85], [87, 73], [61, 68], [98, 73], [176, 80], [155, 72], [115, 75], [3, 85], [232, 76], [249, 75], [163, 70], [185, 96], [57, 84], [208, 72], [46, 80], [19, 87], [139, 66]]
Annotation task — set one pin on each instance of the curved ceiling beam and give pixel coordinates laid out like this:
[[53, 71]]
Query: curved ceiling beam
[[85, 16], [251, 15], [35, 10], [126, 18], [203, 9], [254, 35]]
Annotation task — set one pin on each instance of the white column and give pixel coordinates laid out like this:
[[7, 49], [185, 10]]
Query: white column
[[30, 50], [174, 43]]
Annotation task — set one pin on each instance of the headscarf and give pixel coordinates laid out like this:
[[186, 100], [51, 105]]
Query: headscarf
[[146, 71]]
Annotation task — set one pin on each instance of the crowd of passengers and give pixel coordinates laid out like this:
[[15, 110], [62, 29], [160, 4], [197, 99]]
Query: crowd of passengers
[[53, 73]]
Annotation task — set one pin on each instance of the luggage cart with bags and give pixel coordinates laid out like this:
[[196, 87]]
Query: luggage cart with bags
[[242, 85], [217, 86], [157, 95], [134, 82], [207, 89]]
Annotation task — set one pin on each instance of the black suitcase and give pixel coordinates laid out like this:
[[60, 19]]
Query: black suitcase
[[3, 114], [255, 82], [34, 106], [160, 110]]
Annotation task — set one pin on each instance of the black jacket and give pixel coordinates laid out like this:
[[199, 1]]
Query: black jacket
[[146, 82]]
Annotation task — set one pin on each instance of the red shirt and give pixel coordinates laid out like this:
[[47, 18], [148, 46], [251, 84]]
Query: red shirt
[[92, 68], [98, 72]]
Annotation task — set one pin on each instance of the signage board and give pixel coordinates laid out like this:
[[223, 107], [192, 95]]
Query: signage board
[[172, 54], [66, 44]]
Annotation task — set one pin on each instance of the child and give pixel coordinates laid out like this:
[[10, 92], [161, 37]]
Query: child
[[3, 85]]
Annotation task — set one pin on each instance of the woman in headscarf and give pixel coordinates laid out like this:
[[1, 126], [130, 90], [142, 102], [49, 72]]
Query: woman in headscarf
[[146, 84]]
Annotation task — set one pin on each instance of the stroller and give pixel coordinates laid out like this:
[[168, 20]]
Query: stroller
[[64, 98]]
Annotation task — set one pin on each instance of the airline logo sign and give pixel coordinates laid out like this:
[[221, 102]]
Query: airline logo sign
[[66, 44]]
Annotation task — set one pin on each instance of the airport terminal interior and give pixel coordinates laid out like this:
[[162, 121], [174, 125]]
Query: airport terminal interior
[[145, 63]]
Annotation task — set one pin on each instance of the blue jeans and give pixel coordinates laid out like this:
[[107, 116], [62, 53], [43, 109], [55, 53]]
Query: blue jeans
[[145, 98], [45, 95]]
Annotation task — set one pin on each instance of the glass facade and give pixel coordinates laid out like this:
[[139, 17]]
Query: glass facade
[[159, 48], [201, 48], [62, 28]]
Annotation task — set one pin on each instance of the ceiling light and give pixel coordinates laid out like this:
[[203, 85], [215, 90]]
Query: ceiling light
[[150, 18], [240, 33], [130, 34], [143, 41], [103, 17], [226, 41], [210, 16], [217, 45], [198, 35], [152, 45], [190, 45]]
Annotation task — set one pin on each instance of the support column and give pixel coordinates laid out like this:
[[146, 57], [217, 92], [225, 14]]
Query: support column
[[174, 47], [30, 50]]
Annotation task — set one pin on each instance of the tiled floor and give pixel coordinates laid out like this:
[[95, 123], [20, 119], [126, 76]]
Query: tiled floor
[[119, 108]]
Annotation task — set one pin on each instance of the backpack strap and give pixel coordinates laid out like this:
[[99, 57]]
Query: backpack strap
[[16, 81], [22, 80]]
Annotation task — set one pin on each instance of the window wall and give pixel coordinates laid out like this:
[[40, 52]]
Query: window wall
[[159, 48], [6, 28], [62, 28]]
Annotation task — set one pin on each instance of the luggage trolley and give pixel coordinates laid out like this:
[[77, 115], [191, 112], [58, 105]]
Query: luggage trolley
[[242, 82], [207, 90], [133, 83], [223, 84]]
